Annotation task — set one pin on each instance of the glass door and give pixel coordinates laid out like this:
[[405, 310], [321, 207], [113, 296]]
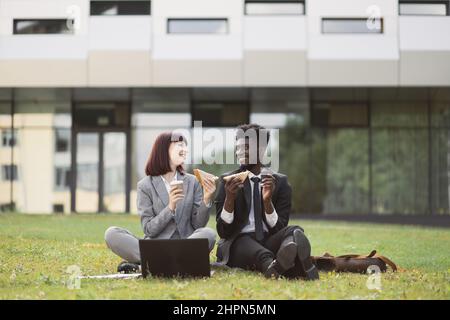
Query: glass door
[[100, 184], [87, 169], [114, 172]]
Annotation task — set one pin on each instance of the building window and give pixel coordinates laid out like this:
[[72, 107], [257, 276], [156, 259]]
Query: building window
[[7, 207], [400, 176], [423, 8], [9, 138], [98, 115], [259, 7], [120, 8], [197, 26], [5, 95], [352, 25], [225, 107], [58, 208], [62, 140], [62, 178], [340, 114], [87, 174], [221, 114], [10, 173], [161, 108], [43, 26]]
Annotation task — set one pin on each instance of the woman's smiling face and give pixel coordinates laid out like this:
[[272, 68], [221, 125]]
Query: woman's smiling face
[[178, 153]]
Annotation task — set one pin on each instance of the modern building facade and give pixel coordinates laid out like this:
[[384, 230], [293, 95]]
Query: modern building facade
[[359, 90]]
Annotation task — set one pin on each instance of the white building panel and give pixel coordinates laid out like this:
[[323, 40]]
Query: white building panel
[[197, 59], [425, 51], [120, 50], [43, 59], [275, 33], [120, 33], [357, 59], [424, 33], [43, 47], [197, 46], [275, 50], [352, 46], [254, 50]]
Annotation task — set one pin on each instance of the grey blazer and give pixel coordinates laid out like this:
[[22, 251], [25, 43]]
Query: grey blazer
[[157, 221]]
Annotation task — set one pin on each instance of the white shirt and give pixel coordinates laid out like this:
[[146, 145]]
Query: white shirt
[[175, 178], [271, 219], [167, 183]]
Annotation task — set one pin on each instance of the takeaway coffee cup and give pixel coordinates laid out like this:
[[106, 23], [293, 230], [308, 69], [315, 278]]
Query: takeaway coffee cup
[[177, 184]]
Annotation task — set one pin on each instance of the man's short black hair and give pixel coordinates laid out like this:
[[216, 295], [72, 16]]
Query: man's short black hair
[[256, 127]]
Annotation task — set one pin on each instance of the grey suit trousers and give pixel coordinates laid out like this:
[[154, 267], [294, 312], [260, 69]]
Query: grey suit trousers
[[126, 245]]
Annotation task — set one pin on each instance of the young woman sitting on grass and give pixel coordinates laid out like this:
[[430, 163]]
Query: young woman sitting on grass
[[170, 202]]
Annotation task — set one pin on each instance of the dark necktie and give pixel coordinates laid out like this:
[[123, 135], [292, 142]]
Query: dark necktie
[[259, 232]]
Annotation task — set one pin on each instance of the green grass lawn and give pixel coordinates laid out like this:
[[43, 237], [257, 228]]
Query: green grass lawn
[[35, 252]]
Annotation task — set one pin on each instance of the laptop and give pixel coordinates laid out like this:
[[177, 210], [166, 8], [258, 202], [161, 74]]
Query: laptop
[[175, 257]]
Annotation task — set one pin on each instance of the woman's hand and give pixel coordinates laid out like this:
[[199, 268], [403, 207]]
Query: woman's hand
[[175, 195], [209, 187]]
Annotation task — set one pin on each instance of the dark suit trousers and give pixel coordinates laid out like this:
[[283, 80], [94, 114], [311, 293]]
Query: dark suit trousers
[[247, 253]]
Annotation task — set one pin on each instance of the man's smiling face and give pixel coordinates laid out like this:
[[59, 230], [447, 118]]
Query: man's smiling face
[[242, 151], [247, 151], [251, 145]]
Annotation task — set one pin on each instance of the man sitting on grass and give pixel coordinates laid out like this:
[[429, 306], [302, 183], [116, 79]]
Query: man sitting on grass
[[253, 215]]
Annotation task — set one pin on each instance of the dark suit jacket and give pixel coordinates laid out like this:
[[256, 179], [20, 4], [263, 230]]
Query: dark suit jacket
[[281, 200]]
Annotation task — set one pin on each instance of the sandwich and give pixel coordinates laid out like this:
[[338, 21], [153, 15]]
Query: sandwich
[[241, 175], [200, 174]]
